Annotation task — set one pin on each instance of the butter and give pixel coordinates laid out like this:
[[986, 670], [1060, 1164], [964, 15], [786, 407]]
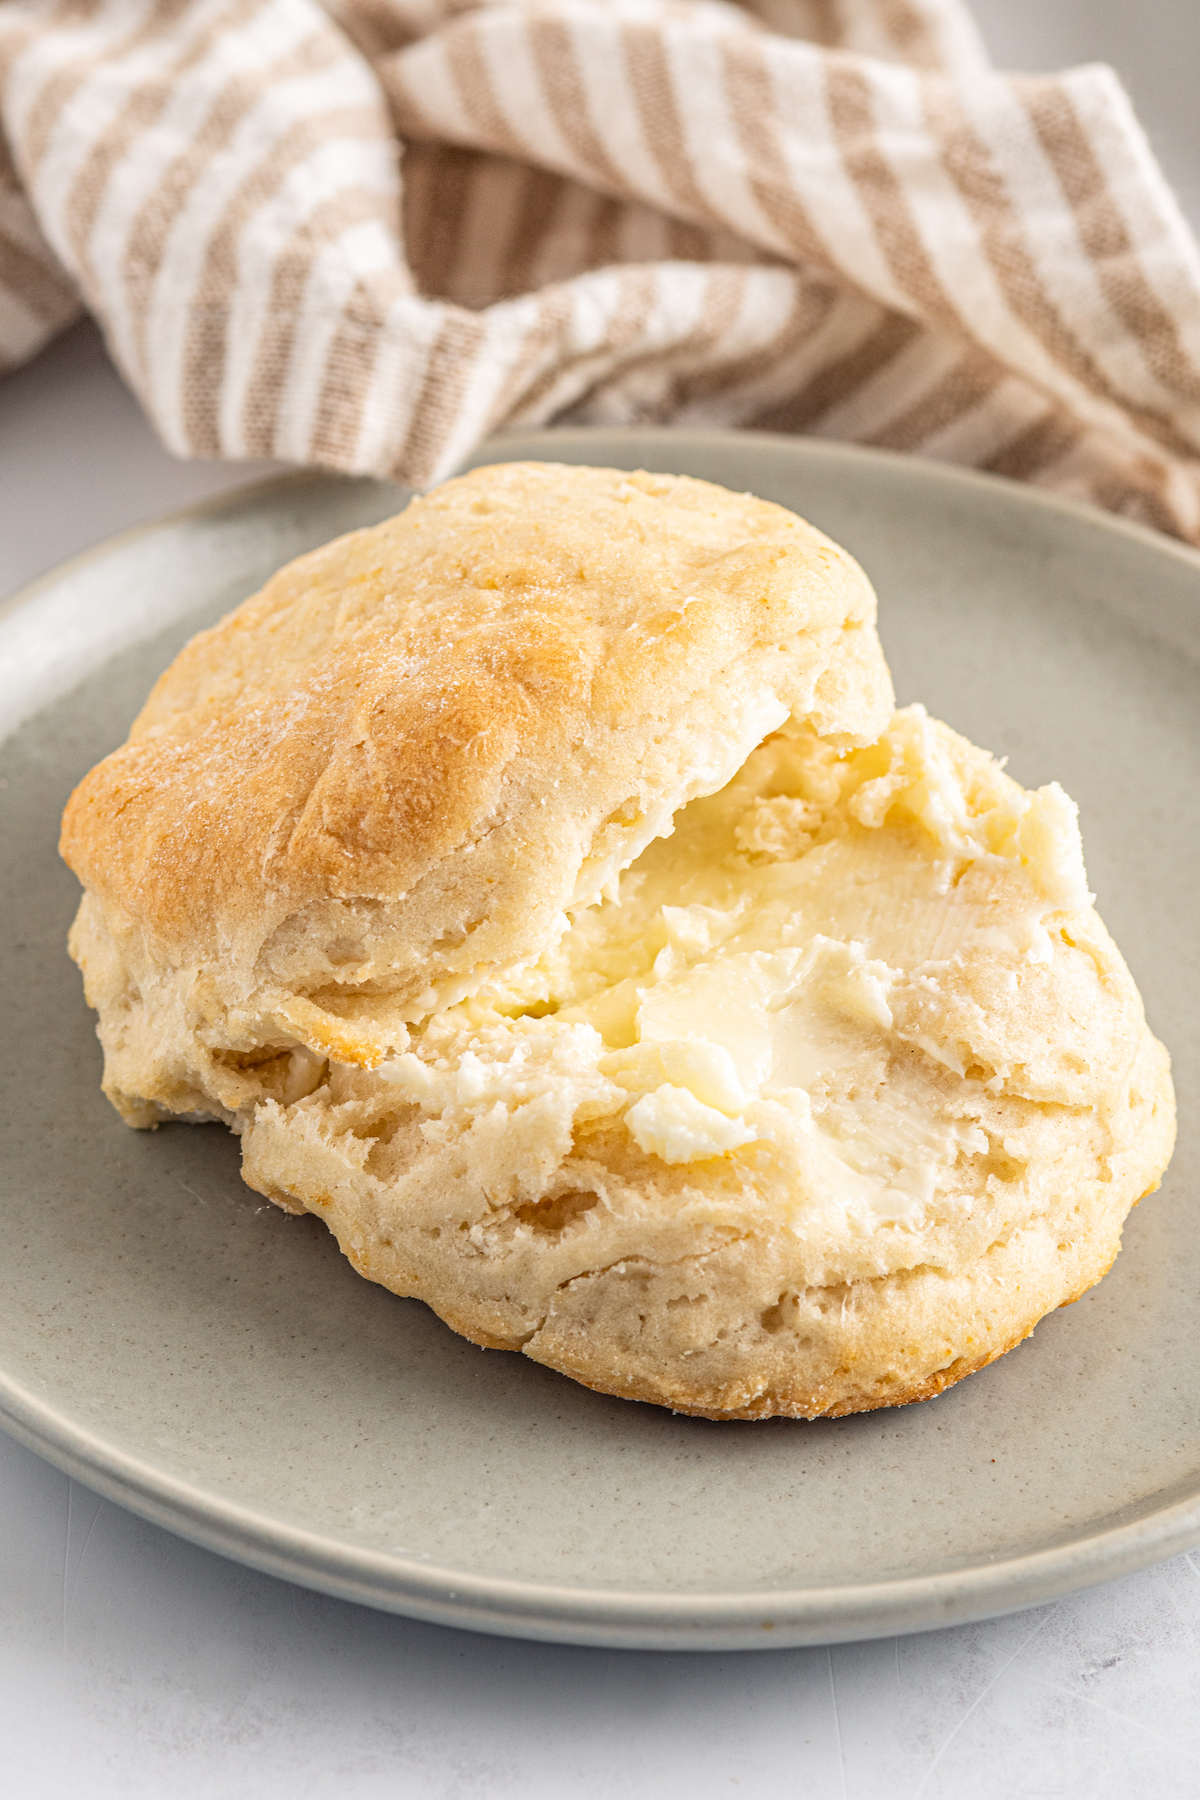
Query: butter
[[793, 973], [672, 1124]]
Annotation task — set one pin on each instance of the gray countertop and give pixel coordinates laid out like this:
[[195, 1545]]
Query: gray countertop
[[133, 1664]]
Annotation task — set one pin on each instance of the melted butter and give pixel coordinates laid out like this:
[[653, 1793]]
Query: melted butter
[[736, 995]]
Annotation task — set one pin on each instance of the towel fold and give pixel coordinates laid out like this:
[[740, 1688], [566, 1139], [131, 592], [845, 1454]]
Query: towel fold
[[367, 233]]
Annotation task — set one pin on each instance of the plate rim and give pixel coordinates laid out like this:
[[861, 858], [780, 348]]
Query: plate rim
[[836, 449], [635, 1618]]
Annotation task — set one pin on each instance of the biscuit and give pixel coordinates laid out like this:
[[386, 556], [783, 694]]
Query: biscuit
[[393, 771], [844, 1091], [544, 889]]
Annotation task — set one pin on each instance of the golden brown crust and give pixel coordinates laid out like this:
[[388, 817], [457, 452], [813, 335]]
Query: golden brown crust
[[772, 1405], [862, 1393], [389, 772]]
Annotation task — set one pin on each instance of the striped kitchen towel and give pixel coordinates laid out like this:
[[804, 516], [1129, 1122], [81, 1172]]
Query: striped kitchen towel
[[366, 233]]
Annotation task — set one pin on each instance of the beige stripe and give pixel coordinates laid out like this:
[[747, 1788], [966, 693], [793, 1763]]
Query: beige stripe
[[469, 71], [537, 218], [818, 323], [37, 282], [447, 373], [376, 27], [1035, 447], [753, 107], [587, 236], [842, 377], [1146, 499], [490, 209], [642, 234], [1103, 235], [554, 58], [908, 29], [531, 226], [649, 76], [144, 104], [147, 238], [724, 294], [811, 306], [814, 21], [419, 172], [21, 335], [637, 297], [686, 242], [437, 181], [982, 431], [972, 381], [604, 238], [40, 119], [522, 389], [926, 34], [349, 364], [202, 370], [883, 197], [971, 166], [67, 80], [495, 209]]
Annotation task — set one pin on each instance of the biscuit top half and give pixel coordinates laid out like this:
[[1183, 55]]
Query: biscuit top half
[[392, 772]]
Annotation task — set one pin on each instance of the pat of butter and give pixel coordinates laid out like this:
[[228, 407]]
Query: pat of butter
[[673, 1125]]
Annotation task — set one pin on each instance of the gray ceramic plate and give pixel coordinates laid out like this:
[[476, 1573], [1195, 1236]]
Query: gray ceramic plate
[[201, 1357]]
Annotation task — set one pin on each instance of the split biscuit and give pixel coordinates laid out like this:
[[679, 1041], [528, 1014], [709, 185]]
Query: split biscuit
[[543, 887], [843, 1092]]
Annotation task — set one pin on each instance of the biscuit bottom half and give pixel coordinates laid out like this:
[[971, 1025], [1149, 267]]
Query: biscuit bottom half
[[840, 1091]]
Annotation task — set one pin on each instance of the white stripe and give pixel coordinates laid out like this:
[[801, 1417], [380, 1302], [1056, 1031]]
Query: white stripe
[[422, 75], [278, 108], [580, 356], [1164, 242], [590, 361], [506, 327], [681, 295], [765, 301], [267, 36], [507, 53], [847, 325], [948, 232], [862, 30], [87, 114], [818, 174], [1063, 267], [50, 51], [989, 427], [900, 385], [397, 379], [954, 36], [600, 60], [951, 34], [713, 145], [334, 167], [358, 254], [1091, 463]]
